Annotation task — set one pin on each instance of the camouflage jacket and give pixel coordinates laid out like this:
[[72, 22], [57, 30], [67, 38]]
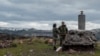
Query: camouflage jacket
[[63, 30], [55, 32]]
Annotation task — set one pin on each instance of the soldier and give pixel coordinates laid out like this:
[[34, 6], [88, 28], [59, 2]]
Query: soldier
[[55, 36], [62, 32]]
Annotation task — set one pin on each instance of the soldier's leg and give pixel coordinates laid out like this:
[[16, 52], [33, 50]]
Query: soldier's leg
[[61, 40], [54, 44], [63, 37]]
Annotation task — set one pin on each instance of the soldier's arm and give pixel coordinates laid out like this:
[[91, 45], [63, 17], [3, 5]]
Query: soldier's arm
[[59, 29], [66, 30]]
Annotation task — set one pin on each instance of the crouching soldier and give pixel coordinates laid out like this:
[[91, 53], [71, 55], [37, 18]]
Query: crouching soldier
[[62, 32], [55, 36]]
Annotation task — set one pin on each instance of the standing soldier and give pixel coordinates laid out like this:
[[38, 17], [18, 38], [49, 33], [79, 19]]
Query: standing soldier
[[55, 36], [62, 32]]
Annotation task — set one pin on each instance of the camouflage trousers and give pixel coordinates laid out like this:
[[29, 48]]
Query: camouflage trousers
[[62, 38], [55, 40]]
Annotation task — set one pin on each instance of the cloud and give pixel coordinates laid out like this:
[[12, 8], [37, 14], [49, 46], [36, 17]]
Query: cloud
[[37, 10], [3, 24], [41, 14], [91, 25], [47, 25]]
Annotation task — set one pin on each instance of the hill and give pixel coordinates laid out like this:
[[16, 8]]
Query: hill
[[34, 32], [26, 32]]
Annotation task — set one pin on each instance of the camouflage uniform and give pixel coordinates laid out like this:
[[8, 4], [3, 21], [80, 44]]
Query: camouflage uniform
[[62, 33], [55, 36]]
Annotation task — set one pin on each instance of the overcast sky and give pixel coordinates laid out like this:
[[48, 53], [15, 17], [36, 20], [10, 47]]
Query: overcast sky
[[41, 14]]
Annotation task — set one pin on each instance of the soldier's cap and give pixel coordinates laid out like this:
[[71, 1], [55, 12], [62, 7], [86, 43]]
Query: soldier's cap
[[62, 22]]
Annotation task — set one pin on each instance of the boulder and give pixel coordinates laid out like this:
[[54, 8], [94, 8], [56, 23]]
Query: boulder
[[76, 37], [79, 39]]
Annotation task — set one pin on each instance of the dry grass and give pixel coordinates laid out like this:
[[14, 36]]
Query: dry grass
[[39, 48]]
